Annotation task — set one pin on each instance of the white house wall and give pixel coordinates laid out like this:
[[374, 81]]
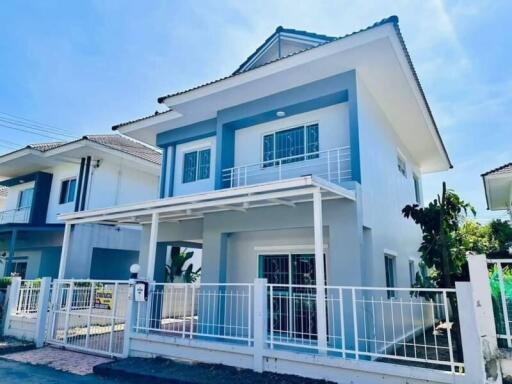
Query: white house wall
[[385, 191], [60, 172], [114, 184]]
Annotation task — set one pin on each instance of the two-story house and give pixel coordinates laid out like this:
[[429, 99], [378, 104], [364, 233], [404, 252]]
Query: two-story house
[[294, 168], [42, 181]]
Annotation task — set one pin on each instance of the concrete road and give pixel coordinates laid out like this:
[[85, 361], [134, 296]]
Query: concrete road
[[12, 372]]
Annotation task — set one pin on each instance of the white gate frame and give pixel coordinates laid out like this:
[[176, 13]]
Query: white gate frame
[[67, 312]]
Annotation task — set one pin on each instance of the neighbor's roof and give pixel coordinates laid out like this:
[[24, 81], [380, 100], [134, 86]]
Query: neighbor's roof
[[506, 168], [113, 141]]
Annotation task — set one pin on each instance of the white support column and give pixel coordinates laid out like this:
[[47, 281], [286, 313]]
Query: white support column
[[153, 237], [65, 250], [260, 322], [42, 311], [321, 318], [14, 290]]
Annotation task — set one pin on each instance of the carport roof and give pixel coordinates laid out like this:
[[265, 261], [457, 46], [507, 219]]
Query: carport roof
[[174, 209]]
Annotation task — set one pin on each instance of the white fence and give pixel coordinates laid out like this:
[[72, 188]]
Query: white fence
[[399, 324], [333, 165], [370, 334], [214, 311]]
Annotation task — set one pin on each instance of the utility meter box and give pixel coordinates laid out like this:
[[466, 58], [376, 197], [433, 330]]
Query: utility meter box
[[141, 291]]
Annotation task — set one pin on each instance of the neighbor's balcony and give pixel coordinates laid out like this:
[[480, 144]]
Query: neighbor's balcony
[[333, 165], [16, 216]]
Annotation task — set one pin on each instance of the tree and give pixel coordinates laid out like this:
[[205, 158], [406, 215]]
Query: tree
[[442, 246], [175, 268], [502, 233], [475, 237]]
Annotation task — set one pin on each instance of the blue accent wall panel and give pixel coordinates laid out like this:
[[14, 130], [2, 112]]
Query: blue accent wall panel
[[42, 186], [191, 132], [112, 264]]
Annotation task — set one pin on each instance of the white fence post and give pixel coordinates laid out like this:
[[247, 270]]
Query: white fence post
[[42, 311], [478, 330], [130, 315], [12, 302], [260, 322]]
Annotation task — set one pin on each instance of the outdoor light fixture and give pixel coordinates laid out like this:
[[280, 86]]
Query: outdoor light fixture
[[134, 271], [280, 113]]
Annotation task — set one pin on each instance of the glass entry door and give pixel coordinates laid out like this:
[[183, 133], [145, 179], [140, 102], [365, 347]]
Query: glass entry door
[[292, 304]]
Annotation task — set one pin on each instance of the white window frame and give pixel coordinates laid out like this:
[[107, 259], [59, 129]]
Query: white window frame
[[417, 188], [67, 192], [400, 158], [291, 126], [412, 271], [393, 258], [20, 194], [192, 150]]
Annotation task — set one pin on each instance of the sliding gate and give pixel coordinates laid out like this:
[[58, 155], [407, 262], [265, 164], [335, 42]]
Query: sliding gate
[[88, 315]]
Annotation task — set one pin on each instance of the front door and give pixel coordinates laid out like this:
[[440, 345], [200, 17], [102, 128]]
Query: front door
[[292, 305]]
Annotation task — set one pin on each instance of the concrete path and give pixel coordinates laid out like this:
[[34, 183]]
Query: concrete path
[[60, 359], [12, 372]]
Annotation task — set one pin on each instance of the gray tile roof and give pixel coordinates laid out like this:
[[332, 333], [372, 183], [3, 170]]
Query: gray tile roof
[[127, 145], [112, 141], [391, 19], [114, 127], [506, 168]]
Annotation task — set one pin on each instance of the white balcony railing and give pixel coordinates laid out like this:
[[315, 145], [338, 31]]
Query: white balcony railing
[[15, 216], [333, 165]]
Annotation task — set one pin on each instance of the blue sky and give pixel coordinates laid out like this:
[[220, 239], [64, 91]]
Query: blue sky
[[84, 66]]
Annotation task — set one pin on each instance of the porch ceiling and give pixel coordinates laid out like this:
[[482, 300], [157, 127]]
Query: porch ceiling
[[173, 209]]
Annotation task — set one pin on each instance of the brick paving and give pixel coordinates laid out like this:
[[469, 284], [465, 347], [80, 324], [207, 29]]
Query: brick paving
[[62, 360]]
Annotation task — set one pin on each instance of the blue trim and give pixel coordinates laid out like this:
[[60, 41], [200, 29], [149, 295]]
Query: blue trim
[[19, 180], [80, 182], [172, 168], [86, 182], [12, 249], [41, 196], [318, 94], [196, 131], [163, 173]]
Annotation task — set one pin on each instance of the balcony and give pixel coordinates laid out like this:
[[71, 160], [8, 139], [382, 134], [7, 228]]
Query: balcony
[[16, 216], [333, 165]]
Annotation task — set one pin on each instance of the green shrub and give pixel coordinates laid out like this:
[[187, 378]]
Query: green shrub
[[5, 282]]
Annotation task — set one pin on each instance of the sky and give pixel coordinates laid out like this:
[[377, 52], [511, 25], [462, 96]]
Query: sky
[[83, 66]]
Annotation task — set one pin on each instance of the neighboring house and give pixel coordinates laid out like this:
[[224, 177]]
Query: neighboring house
[[308, 123], [42, 181], [498, 188]]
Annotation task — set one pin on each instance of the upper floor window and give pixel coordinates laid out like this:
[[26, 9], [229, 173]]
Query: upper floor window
[[25, 198], [67, 191], [196, 165], [390, 268], [417, 188], [291, 145], [402, 168]]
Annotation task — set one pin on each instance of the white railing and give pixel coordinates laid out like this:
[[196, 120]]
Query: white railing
[[13, 216], [213, 311], [392, 324], [28, 297], [398, 324], [333, 165], [500, 279]]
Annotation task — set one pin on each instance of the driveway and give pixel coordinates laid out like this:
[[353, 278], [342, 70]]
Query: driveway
[[12, 372]]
